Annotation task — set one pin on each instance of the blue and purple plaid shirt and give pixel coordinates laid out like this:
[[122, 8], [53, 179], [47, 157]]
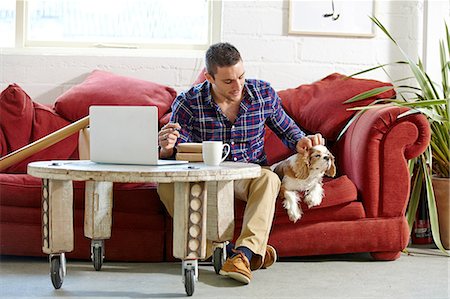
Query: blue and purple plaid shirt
[[202, 119]]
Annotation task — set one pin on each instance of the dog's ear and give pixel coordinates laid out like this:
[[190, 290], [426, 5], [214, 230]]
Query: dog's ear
[[302, 165], [278, 168], [331, 171]]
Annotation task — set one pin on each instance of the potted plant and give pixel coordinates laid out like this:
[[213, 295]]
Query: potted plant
[[432, 167]]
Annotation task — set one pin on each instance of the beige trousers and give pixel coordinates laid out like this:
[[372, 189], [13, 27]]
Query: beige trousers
[[260, 194]]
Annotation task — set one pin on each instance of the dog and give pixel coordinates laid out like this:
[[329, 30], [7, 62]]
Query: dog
[[303, 173]]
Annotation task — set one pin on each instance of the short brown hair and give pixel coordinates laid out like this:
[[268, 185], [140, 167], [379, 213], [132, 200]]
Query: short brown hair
[[220, 55]]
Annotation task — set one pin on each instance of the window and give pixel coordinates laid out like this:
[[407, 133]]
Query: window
[[115, 23], [7, 22]]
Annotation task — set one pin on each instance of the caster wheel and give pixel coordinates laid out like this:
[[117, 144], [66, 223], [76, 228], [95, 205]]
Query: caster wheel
[[189, 281], [218, 259], [57, 271], [97, 254]]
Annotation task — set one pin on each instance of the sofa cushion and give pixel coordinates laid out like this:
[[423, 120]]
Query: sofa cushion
[[104, 88], [16, 117], [338, 194], [3, 147], [23, 190], [165, 119], [318, 107], [274, 148], [24, 121], [201, 77]]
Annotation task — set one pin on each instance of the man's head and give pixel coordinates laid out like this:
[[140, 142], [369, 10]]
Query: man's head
[[225, 71], [221, 55]]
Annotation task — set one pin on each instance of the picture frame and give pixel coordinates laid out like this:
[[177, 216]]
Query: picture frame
[[332, 17]]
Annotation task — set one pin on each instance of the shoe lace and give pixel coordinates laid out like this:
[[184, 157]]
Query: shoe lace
[[241, 255]]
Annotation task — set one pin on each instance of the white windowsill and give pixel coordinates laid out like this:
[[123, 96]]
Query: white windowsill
[[176, 53]]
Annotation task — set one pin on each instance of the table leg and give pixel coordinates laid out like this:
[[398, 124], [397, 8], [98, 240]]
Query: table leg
[[189, 234], [220, 221], [57, 216], [57, 226], [189, 220], [98, 218]]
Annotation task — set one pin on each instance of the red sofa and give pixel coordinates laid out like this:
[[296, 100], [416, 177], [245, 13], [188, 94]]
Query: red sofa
[[362, 211]]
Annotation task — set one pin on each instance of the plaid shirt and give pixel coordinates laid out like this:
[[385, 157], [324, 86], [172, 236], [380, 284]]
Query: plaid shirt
[[201, 119]]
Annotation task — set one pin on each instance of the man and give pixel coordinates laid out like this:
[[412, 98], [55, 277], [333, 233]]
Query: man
[[229, 108]]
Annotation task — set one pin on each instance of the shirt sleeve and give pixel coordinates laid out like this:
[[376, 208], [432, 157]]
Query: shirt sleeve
[[284, 126], [182, 114]]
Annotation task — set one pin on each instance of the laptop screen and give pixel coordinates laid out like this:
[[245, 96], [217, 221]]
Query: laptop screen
[[124, 134]]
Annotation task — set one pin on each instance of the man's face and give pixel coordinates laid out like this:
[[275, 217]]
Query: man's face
[[228, 82]]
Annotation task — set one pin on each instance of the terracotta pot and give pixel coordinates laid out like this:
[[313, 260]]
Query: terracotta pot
[[441, 187]]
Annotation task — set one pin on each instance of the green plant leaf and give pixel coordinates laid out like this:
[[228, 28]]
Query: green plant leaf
[[444, 69], [415, 196], [377, 67], [434, 220], [369, 94], [378, 23], [423, 103], [432, 100], [355, 117]]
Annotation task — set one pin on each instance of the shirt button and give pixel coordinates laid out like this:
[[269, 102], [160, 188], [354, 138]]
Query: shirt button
[[235, 159], [233, 127], [232, 142]]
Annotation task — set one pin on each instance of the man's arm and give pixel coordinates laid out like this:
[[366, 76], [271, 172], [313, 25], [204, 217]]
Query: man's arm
[[284, 126], [288, 131], [177, 129]]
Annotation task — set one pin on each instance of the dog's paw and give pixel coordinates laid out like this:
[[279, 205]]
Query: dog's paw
[[290, 203], [286, 204], [294, 214], [311, 201], [293, 211]]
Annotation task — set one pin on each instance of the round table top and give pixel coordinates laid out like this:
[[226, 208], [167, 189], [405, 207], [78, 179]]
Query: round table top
[[84, 170]]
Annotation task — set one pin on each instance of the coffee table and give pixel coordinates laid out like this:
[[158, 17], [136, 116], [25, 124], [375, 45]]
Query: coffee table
[[203, 208]]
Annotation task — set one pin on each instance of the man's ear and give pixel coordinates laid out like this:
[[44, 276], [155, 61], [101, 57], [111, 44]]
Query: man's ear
[[209, 77]]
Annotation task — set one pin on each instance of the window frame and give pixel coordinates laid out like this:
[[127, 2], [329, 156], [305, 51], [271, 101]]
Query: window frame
[[214, 34]]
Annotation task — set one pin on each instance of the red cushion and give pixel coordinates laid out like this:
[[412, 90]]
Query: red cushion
[[20, 190], [23, 190], [104, 88], [201, 77], [16, 117], [275, 148], [339, 192], [165, 119], [3, 146], [318, 107], [24, 121]]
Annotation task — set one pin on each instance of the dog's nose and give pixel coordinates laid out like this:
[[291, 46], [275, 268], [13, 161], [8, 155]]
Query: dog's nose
[[326, 158]]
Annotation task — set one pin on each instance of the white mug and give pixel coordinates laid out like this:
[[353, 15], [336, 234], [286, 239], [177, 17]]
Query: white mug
[[212, 152]]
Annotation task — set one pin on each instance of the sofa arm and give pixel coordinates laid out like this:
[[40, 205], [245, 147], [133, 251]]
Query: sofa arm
[[374, 153]]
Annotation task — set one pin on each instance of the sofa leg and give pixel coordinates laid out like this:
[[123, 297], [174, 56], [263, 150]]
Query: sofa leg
[[385, 255]]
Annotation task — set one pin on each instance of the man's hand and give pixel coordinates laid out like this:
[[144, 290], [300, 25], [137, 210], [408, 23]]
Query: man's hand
[[309, 141], [167, 138]]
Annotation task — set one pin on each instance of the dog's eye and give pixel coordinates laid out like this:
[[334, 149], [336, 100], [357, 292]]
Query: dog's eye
[[317, 156]]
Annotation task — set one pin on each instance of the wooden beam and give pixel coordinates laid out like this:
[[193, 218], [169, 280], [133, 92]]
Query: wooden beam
[[42, 143]]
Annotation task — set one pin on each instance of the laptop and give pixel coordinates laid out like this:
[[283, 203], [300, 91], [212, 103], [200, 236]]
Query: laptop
[[125, 135]]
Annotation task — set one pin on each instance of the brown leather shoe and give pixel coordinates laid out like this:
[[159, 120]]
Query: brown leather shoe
[[270, 257], [237, 268]]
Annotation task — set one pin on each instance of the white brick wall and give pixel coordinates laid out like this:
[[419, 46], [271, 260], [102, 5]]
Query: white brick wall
[[257, 28]]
